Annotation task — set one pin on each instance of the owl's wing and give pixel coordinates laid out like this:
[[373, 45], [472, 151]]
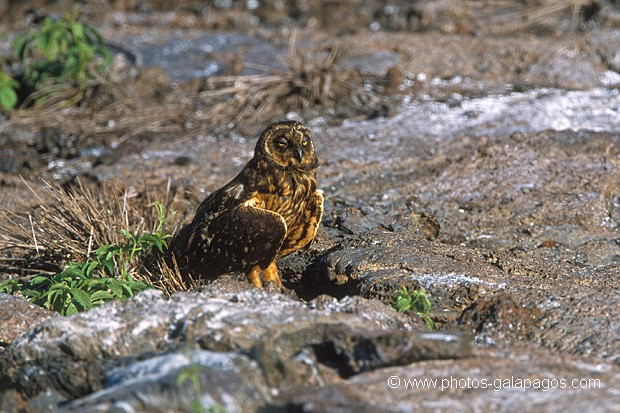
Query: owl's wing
[[237, 239], [316, 215], [303, 235]]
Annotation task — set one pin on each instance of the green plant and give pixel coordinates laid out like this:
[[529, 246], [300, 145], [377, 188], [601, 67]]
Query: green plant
[[8, 85], [71, 291], [62, 51], [107, 276], [119, 257], [191, 372], [417, 301]]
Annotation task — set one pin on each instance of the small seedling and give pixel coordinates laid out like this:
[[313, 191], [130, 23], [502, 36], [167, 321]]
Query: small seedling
[[417, 301]]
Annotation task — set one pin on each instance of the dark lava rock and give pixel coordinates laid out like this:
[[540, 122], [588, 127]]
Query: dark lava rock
[[300, 354]]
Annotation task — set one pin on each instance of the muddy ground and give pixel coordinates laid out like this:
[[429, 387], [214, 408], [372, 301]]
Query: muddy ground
[[479, 159]]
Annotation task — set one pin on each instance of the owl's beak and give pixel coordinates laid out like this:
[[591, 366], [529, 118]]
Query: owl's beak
[[298, 153]]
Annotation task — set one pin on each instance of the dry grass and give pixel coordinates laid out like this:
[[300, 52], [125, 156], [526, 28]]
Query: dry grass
[[110, 107], [115, 107], [312, 79], [78, 221], [545, 11]]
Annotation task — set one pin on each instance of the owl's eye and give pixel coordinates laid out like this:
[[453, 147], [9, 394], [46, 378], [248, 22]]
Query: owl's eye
[[305, 142], [282, 142]]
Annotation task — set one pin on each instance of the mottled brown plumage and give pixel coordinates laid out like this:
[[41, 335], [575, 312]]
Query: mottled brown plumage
[[270, 209]]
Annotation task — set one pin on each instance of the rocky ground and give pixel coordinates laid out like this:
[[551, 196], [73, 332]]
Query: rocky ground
[[481, 164]]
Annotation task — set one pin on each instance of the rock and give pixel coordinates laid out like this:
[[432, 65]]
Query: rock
[[485, 381], [133, 353], [535, 265], [500, 314], [179, 381], [376, 263], [17, 316], [313, 354]]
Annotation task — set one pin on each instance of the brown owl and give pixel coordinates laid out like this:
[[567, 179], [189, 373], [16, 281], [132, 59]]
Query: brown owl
[[270, 209]]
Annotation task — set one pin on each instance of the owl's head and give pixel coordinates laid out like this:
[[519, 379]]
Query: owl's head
[[287, 144]]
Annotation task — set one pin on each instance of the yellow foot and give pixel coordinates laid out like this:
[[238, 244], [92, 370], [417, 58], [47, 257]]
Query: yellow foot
[[271, 274], [254, 277]]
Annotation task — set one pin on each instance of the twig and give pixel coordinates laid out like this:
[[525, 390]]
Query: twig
[[34, 235], [90, 242]]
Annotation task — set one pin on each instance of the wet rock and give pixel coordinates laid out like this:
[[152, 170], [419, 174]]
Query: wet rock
[[581, 320]]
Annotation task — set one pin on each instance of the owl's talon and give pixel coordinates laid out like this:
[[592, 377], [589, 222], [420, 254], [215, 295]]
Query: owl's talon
[[254, 277], [271, 275]]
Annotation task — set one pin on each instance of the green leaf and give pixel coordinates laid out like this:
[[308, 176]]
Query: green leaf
[[50, 298], [39, 279], [137, 286], [99, 297], [78, 32], [20, 47], [11, 286], [416, 301], [127, 291], [81, 298], [73, 270], [103, 250], [71, 309], [63, 50], [151, 239], [8, 97], [115, 286], [32, 295], [89, 267], [109, 265]]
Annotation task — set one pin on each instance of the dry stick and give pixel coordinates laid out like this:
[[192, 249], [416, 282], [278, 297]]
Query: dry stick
[[125, 209], [168, 187], [34, 235], [29, 187], [90, 242]]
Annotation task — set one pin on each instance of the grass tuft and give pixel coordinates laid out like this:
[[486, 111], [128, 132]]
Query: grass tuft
[[312, 79], [88, 231]]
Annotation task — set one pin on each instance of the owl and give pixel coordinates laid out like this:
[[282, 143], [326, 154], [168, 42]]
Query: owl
[[269, 210]]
